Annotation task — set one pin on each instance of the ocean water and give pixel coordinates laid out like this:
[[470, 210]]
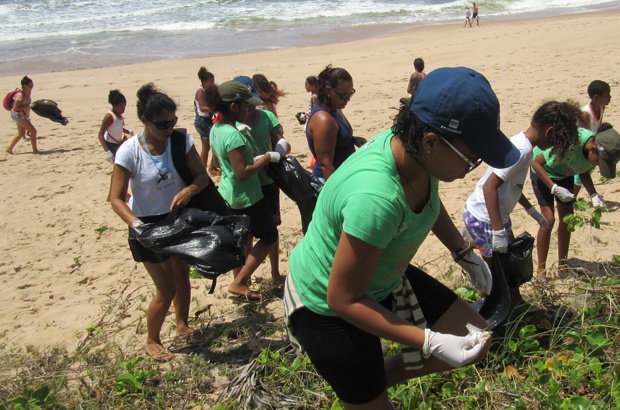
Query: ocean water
[[50, 35]]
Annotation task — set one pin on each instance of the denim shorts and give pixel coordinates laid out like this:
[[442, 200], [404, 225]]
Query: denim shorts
[[17, 118], [203, 126]]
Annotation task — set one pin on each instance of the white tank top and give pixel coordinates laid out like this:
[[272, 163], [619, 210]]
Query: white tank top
[[114, 133], [594, 122]]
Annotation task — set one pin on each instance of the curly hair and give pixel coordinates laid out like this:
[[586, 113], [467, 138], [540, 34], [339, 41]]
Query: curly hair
[[410, 130], [330, 77], [562, 118], [115, 97], [266, 90]]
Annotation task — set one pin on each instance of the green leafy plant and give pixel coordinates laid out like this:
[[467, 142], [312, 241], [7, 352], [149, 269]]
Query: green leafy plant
[[582, 214], [616, 259], [193, 274], [132, 381], [101, 230], [31, 399]]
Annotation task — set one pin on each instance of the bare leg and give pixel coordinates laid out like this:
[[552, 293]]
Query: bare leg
[[204, 150], [182, 296], [274, 259], [254, 259], [563, 233], [163, 277], [543, 239], [32, 132], [21, 133]]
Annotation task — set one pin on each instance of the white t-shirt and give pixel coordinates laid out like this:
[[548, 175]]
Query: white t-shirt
[[512, 188], [153, 183]]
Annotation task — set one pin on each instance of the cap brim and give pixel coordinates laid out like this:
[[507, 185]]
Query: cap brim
[[606, 167], [255, 101], [497, 151]]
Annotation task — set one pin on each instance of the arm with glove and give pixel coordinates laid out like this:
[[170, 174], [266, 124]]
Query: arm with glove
[[476, 268]]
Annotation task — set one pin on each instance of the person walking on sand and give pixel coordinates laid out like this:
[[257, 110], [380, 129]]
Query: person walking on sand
[[144, 162], [475, 15], [467, 17], [112, 131], [203, 122], [20, 114]]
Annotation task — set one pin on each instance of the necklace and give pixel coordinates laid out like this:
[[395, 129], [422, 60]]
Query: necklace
[[164, 172], [430, 201]]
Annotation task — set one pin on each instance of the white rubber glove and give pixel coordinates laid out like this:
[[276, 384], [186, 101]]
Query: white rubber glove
[[562, 194], [478, 272], [500, 241], [109, 156], [282, 147], [538, 217], [244, 129], [457, 351], [597, 201], [256, 158], [275, 156]]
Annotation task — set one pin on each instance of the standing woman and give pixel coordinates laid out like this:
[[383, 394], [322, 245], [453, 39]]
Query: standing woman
[[204, 120], [267, 92], [417, 76], [112, 130], [20, 114], [144, 162], [329, 133], [240, 186], [338, 296]]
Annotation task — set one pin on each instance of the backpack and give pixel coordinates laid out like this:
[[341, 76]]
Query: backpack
[[9, 99]]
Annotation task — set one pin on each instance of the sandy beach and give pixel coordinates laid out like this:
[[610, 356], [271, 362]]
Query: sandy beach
[[61, 268]]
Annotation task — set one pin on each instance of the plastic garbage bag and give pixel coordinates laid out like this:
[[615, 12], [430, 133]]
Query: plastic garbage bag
[[298, 184], [509, 271], [49, 109], [210, 243]]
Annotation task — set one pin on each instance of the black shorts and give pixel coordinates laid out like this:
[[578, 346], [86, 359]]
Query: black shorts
[[261, 221], [350, 359], [543, 193], [271, 193], [112, 146], [138, 251]]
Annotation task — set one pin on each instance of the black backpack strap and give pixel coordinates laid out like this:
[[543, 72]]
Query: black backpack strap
[[177, 141]]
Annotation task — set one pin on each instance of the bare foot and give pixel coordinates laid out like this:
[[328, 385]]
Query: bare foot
[[36, 152], [8, 151], [185, 331], [278, 279], [159, 353]]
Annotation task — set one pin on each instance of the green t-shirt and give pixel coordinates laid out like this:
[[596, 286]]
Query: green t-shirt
[[365, 199], [574, 163], [238, 194], [260, 136]]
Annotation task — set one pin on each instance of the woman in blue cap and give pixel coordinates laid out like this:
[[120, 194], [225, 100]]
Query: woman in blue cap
[[350, 281]]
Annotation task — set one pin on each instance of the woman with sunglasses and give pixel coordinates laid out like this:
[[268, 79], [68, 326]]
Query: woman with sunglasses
[[329, 133], [240, 185], [350, 282], [144, 162]]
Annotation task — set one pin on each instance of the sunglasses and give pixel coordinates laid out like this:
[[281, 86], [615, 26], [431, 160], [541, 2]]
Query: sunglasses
[[164, 125], [344, 96], [472, 165]]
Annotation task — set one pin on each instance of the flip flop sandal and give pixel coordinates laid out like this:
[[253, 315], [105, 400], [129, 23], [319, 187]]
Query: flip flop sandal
[[539, 281], [250, 296], [161, 356]]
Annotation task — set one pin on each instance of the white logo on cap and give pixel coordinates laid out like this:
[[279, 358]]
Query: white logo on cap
[[453, 124]]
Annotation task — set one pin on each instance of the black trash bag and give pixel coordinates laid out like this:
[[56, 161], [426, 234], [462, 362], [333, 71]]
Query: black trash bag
[[210, 243], [49, 109], [509, 271], [298, 184]]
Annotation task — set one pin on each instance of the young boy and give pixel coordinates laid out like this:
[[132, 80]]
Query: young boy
[[592, 114]]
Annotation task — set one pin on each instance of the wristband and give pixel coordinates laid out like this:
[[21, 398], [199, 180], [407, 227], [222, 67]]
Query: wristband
[[461, 253]]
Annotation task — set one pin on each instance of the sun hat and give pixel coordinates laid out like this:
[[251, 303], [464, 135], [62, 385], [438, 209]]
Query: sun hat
[[608, 143], [248, 82], [459, 102], [231, 91]]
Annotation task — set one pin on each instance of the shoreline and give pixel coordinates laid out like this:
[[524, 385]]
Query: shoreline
[[297, 39]]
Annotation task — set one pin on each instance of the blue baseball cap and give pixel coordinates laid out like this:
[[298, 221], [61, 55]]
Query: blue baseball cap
[[459, 102], [248, 82]]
